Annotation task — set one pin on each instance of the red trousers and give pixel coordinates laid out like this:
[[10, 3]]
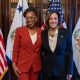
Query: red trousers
[[31, 75]]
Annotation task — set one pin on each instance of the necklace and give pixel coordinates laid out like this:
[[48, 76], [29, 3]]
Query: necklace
[[51, 33]]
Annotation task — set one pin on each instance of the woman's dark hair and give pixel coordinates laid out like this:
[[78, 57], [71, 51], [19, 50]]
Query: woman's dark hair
[[48, 16], [32, 9]]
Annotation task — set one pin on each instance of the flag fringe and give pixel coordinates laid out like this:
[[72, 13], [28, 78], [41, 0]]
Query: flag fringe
[[2, 75]]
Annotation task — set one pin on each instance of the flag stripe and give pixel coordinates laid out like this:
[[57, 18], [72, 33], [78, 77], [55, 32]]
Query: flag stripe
[[1, 65], [3, 62], [2, 41], [1, 71], [3, 57]]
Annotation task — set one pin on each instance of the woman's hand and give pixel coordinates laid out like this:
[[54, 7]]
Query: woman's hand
[[16, 70], [69, 77]]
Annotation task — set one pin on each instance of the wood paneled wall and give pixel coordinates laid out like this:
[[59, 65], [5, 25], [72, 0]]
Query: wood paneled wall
[[0, 15], [5, 19]]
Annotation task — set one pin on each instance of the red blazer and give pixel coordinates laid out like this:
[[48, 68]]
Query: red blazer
[[25, 54]]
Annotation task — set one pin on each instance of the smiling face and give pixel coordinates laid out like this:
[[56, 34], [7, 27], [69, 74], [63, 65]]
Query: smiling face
[[53, 20], [31, 19]]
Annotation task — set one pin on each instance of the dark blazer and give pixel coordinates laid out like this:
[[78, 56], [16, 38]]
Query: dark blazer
[[59, 62], [25, 54]]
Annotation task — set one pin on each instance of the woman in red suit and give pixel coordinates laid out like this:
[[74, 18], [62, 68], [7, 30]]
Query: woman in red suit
[[27, 46]]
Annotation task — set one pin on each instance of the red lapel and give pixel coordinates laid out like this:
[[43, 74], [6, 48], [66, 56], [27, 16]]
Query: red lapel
[[29, 41]]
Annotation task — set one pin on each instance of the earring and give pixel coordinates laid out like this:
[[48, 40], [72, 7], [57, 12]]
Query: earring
[[36, 20]]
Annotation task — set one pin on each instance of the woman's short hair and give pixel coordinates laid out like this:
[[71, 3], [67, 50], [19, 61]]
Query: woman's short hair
[[32, 9]]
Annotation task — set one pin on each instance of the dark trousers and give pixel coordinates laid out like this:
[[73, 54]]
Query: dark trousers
[[55, 78]]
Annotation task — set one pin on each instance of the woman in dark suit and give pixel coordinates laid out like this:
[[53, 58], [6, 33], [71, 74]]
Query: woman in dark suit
[[26, 59], [57, 60]]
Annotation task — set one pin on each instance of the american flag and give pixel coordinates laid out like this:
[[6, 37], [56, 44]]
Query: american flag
[[3, 62], [55, 5]]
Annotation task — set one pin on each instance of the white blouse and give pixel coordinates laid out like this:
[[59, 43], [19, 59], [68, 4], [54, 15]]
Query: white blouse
[[33, 37], [53, 40]]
